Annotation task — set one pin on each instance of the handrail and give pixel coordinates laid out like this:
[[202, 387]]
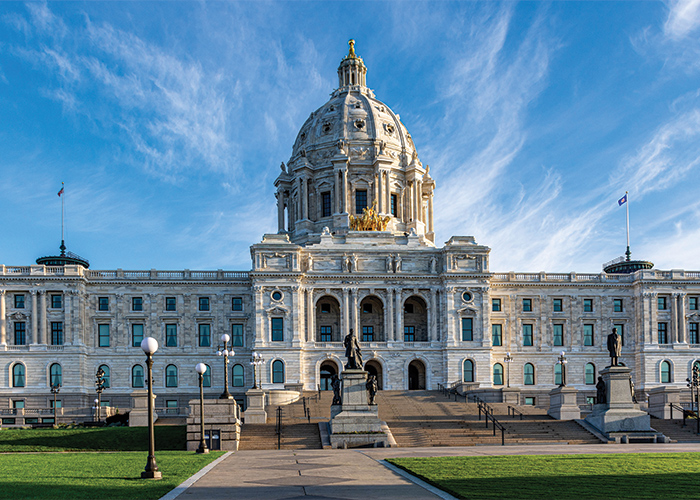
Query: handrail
[[685, 412], [488, 415], [512, 410], [278, 427], [307, 410]]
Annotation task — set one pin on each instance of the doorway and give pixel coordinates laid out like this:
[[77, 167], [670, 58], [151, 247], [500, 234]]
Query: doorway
[[373, 367], [416, 376], [328, 369]]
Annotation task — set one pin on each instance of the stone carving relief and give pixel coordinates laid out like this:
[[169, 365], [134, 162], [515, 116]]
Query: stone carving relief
[[359, 153]]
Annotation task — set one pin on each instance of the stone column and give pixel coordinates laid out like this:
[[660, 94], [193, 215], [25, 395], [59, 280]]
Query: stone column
[[355, 315], [305, 198], [311, 316], [337, 196], [452, 330], [77, 305], [259, 318], [68, 317], [345, 191], [398, 334], [35, 318], [42, 319], [377, 192], [673, 333], [387, 193], [345, 313], [387, 316], [3, 319], [433, 315], [654, 320], [297, 322], [280, 210], [430, 213], [682, 326], [390, 334]]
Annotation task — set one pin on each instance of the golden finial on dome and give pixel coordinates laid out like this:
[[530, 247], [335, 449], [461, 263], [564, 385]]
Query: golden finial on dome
[[351, 54]]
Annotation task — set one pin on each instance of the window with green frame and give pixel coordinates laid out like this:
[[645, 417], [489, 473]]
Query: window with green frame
[[558, 334], [277, 372], [136, 335], [238, 376], [103, 335], [497, 334], [237, 335], [588, 335], [590, 374], [137, 380], [527, 334], [529, 374], [204, 335], [206, 377], [498, 374], [171, 335], [277, 326], [468, 370], [467, 329]]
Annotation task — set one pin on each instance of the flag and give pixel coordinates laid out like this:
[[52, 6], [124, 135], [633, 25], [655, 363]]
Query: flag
[[61, 191], [622, 200]]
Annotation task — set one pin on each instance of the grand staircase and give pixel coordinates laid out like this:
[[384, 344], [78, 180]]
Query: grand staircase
[[674, 429]]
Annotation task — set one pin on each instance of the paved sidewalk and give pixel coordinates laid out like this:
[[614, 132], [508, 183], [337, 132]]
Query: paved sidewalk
[[357, 474]]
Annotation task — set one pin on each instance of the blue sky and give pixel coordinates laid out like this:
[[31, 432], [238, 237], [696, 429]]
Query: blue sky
[[167, 121]]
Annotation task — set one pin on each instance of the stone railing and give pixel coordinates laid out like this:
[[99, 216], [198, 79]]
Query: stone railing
[[91, 274], [651, 274]]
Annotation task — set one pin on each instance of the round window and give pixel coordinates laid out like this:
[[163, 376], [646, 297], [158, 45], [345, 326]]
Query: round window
[[466, 296], [276, 295]]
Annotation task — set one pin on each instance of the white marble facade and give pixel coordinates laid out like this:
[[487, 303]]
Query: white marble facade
[[316, 279]]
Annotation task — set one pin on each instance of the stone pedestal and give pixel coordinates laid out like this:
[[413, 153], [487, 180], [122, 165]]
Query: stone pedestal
[[222, 424], [659, 400], [562, 404], [255, 407], [355, 423], [620, 419], [138, 416], [511, 395]]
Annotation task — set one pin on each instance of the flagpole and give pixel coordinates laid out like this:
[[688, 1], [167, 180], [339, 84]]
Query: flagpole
[[627, 207], [63, 204]]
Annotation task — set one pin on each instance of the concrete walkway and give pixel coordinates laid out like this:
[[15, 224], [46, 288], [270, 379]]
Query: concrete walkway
[[357, 474]]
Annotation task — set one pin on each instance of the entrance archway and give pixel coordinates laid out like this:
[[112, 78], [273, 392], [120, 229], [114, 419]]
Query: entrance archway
[[371, 320], [328, 320], [327, 370], [374, 367], [415, 320], [416, 375]]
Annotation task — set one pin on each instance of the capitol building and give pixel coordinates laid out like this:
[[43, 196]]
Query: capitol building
[[354, 249]]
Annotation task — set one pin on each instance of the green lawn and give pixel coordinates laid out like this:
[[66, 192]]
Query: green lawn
[[77, 476], [92, 439], [577, 477]]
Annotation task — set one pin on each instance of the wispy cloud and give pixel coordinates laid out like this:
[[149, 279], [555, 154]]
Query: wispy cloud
[[683, 18]]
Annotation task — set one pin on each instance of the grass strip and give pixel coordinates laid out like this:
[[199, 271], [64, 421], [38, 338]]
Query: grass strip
[[92, 439], [575, 477], [77, 476]]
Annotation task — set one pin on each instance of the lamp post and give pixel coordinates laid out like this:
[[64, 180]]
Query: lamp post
[[99, 387], [55, 388], [96, 407], [508, 360], [256, 359], [226, 353], [201, 368], [694, 386], [150, 346], [562, 362]]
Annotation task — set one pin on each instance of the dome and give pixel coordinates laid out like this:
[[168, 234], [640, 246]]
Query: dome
[[353, 152]]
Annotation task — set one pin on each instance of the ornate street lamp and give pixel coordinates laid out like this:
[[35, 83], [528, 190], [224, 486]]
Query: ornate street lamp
[[256, 360], [694, 386], [99, 387], [201, 369], [508, 360], [562, 362], [150, 346], [226, 353], [55, 390]]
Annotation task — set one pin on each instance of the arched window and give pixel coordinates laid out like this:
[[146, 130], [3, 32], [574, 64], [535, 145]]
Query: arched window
[[55, 375], [468, 370], [665, 372], [137, 376], [278, 372], [206, 377], [107, 376], [171, 376], [590, 374], [498, 374], [695, 363], [529, 374], [557, 374], [238, 380], [18, 375]]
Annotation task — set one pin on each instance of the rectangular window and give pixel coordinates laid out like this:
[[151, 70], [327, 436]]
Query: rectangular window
[[496, 305], [661, 303], [58, 403], [237, 335], [692, 303], [409, 333], [20, 333], [237, 304], [360, 201], [530, 401], [137, 303], [527, 305], [557, 334], [19, 301], [621, 332], [204, 335], [170, 304], [408, 308], [693, 333], [103, 335], [17, 403], [171, 335], [467, 329], [277, 325], [325, 308], [394, 205], [497, 334], [204, 303], [663, 333], [103, 304], [587, 305], [136, 335], [617, 305], [557, 305], [587, 334], [56, 333], [367, 308], [368, 333], [527, 335], [325, 204], [326, 334], [56, 301]]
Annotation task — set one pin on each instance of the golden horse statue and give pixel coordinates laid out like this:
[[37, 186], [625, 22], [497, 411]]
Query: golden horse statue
[[370, 220]]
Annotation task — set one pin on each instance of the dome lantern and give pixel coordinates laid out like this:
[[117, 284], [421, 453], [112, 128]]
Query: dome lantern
[[352, 70]]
